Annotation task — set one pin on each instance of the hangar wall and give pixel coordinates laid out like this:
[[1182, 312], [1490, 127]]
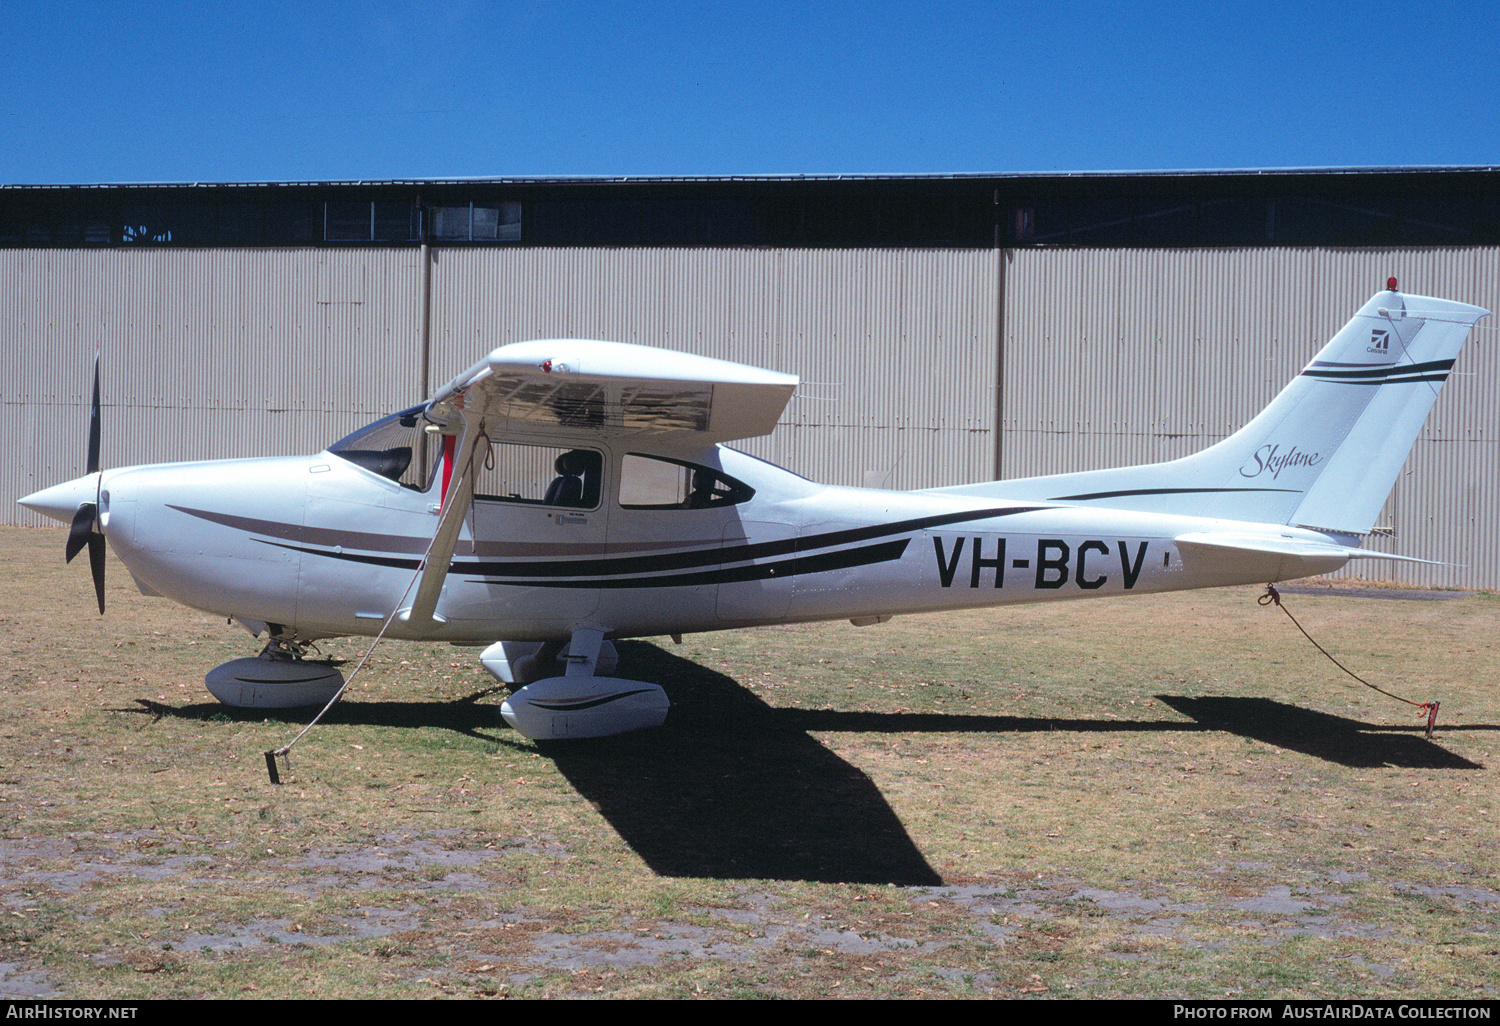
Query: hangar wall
[[205, 354], [220, 353], [1110, 356], [895, 348]]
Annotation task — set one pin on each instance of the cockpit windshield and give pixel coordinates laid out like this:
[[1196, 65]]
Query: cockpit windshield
[[396, 448]]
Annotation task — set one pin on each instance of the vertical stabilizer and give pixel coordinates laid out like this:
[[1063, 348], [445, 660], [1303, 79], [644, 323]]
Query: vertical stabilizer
[[1323, 454], [1380, 376]]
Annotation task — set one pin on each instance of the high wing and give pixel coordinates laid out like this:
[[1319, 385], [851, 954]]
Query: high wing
[[615, 388], [573, 385]]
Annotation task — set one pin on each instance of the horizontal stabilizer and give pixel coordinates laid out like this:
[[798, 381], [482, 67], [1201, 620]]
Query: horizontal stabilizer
[[1280, 558], [1283, 558], [1367, 554]]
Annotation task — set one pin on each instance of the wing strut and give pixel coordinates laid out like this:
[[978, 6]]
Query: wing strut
[[458, 493], [434, 569]]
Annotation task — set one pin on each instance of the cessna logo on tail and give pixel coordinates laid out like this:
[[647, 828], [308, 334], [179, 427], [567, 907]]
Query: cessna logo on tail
[[1380, 341]]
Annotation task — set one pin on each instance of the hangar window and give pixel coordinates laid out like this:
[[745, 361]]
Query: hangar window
[[655, 482], [1168, 222], [477, 222], [1040, 221], [1437, 217], [294, 222], [346, 222], [1100, 222], [727, 221], [1372, 220], [558, 223], [366, 221], [614, 222], [394, 222], [1298, 220], [146, 223]]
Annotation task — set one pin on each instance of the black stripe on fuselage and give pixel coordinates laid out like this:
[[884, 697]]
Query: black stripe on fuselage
[[841, 559], [595, 569], [1123, 493]]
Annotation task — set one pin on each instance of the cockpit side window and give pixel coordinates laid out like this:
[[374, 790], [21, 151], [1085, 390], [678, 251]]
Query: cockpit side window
[[655, 482], [395, 447], [540, 475]]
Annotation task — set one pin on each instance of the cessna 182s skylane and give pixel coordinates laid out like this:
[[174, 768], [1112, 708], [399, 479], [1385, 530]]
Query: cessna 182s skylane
[[559, 494]]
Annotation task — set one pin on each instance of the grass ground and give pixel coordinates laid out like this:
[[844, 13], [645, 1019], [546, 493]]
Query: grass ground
[[1162, 797]]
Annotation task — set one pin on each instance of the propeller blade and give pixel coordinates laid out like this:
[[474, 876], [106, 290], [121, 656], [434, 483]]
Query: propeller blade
[[85, 528], [93, 458], [96, 566], [81, 530]]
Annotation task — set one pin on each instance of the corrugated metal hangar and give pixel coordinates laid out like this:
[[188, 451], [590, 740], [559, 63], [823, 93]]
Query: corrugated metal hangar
[[947, 328]]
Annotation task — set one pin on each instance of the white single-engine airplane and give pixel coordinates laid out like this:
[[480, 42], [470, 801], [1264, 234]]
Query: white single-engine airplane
[[559, 494]]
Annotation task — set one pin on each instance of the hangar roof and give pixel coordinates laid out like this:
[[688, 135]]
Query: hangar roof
[[1416, 206]]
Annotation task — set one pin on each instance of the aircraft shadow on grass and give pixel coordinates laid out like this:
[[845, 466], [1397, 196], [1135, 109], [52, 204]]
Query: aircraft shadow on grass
[[726, 789], [1321, 735], [730, 787]]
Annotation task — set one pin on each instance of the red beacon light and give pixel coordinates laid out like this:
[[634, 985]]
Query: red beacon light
[[1390, 284]]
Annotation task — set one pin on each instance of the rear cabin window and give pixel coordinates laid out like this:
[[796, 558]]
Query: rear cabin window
[[654, 482]]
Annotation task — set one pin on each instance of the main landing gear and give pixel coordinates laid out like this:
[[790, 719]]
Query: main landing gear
[[578, 703]]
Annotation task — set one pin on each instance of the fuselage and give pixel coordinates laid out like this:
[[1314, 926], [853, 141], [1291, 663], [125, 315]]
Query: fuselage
[[323, 546]]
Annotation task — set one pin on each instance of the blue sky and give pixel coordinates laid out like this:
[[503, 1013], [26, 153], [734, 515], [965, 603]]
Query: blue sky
[[238, 91]]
